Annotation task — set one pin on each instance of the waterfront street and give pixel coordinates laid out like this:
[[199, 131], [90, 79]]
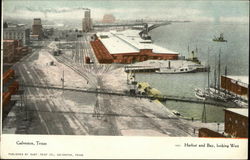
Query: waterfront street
[[48, 111]]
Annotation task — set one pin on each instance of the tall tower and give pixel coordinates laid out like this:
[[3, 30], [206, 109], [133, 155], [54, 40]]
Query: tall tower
[[37, 27], [86, 22]]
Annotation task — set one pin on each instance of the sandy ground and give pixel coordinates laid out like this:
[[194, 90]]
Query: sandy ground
[[55, 72]]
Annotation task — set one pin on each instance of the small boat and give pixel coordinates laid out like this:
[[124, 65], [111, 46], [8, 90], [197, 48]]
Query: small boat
[[199, 94], [176, 113], [176, 71], [220, 39]]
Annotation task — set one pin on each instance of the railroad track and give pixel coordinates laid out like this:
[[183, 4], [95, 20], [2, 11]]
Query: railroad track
[[66, 61]]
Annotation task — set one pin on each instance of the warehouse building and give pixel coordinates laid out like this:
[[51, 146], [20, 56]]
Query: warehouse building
[[13, 49], [108, 18], [237, 85], [16, 32], [9, 50], [236, 122], [128, 47], [235, 125]]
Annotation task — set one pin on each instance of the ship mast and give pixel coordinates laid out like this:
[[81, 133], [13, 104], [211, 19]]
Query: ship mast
[[215, 76], [204, 114], [226, 76], [208, 70], [219, 72]]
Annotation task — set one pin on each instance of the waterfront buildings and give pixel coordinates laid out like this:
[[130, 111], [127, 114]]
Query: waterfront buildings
[[9, 50], [86, 22], [236, 122], [16, 32], [237, 85], [127, 47], [108, 18], [13, 49]]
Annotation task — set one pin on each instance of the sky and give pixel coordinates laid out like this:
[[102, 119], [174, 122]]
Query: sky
[[212, 11]]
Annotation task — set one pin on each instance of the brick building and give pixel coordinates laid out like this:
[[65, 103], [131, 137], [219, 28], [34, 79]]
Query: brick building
[[235, 84], [108, 18], [13, 49], [127, 47], [9, 50], [205, 132], [236, 122]]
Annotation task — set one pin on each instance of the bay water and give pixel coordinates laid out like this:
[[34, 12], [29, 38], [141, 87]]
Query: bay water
[[181, 36]]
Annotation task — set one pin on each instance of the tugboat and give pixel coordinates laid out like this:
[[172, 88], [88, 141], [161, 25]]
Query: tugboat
[[219, 39]]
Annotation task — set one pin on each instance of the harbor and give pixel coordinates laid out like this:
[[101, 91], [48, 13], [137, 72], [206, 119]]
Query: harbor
[[127, 79]]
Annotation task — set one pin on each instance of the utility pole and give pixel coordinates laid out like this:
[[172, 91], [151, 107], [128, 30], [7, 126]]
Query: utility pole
[[59, 45], [215, 77], [204, 114], [62, 79]]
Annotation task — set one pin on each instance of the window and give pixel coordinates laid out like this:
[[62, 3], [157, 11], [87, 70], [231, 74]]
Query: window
[[243, 124], [236, 121]]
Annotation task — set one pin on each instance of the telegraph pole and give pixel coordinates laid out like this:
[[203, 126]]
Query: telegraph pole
[[204, 114], [62, 79]]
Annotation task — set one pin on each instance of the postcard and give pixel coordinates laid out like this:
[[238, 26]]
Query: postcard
[[128, 79]]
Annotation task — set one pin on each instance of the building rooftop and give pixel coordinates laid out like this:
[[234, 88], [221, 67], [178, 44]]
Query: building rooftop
[[240, 111], [16, 28], [129, 41], [115, 45], [9, 40], [242, 80]]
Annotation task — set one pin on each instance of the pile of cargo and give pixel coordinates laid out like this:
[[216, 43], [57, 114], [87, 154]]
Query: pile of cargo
[[102, 54], [87, 60], [12, 89]]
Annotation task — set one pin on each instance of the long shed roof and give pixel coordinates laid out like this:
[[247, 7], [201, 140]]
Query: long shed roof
[[129, 41]]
